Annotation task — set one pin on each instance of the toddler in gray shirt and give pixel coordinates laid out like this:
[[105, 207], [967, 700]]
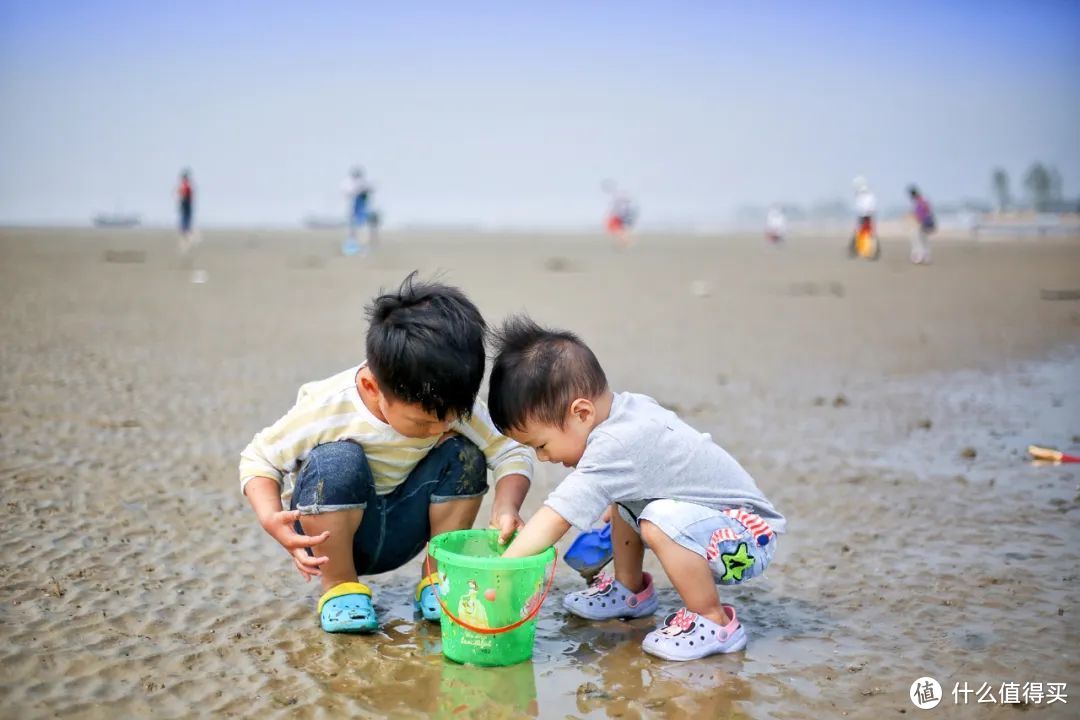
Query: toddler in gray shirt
[[669, 488]]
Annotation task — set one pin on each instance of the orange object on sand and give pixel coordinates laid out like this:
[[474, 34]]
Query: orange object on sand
[[1051, 455], [865, 242]]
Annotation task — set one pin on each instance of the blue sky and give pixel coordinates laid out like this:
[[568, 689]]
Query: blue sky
[[512, 113]]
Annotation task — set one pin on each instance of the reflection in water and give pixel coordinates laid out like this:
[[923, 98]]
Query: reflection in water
[[468, 691], [584, 669], [400, 671], [614, 678]]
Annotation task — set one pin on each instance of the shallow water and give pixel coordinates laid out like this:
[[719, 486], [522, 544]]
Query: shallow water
[[852, 611], [136, 582]]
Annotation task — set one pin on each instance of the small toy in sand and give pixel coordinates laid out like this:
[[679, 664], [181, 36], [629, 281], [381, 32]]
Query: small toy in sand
[[350, 247], [590, 552], [864, 242], [1051, 455]]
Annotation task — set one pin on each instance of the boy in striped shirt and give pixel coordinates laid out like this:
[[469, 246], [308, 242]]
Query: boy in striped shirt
[[380, 457]]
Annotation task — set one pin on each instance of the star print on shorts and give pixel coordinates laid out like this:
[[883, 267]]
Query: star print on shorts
[[736, 563]]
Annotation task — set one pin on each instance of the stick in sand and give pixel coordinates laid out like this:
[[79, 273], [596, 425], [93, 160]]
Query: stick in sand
[[1051, 455]]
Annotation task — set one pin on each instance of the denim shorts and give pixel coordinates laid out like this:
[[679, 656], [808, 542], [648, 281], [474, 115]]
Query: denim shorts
[[396, 526], [735, 541]]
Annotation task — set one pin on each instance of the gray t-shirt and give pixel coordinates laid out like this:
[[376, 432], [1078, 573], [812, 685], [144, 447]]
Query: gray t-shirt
[[644, 452]]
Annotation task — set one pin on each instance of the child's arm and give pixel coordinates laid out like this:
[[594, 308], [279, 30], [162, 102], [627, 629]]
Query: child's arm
[[263, 463], [264, 494], [268, 455], [541, 532], [510, 493], [511, 463]]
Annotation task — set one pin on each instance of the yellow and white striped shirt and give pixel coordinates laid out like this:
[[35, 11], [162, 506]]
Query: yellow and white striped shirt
[[331, 409]]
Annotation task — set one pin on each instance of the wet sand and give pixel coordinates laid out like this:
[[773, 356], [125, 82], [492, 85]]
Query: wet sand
[[883, 407]]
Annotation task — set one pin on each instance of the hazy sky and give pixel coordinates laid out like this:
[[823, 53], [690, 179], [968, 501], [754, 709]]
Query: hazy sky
[[498, 113]]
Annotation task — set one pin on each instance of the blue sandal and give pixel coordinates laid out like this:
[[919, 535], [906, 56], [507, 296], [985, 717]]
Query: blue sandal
[[347, 607], [425, 602]]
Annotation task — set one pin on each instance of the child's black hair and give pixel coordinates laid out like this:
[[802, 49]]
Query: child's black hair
[[425, 345], [538, 372]]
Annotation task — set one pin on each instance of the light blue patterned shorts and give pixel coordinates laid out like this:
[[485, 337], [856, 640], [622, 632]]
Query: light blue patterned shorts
[[736, 542]]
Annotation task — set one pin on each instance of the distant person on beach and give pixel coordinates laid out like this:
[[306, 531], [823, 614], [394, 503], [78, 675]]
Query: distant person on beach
[[622, 214], [775, 225], [357, 193], [185, 195], [864, 242], [374, 220], [925, 225], [666, 486], [379, 458]]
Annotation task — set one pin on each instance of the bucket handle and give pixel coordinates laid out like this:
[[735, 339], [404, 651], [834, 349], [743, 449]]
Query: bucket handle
[[490, 630]]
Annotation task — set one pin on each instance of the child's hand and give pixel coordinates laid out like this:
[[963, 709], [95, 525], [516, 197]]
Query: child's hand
[[543, 530], [282, 527], [507, 521]]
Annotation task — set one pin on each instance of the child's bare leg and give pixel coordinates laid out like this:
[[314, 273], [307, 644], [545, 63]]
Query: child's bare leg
[[338, 548], [461, 465], [447, 516], [453, 515], [688, 572], [629, 552], [453, 477]]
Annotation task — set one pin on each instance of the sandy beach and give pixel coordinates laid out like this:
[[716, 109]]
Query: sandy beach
[[885, 409]]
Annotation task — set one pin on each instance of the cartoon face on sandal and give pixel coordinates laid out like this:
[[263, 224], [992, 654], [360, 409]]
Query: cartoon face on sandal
[[689, 636], [602, 585], [680, 623], [608, 598]]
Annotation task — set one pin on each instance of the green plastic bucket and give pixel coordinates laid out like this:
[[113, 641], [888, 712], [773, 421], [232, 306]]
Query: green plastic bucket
[[489, 603]]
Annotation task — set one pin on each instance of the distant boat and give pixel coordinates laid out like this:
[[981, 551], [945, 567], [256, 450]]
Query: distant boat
[[117, 220], [324, 222]]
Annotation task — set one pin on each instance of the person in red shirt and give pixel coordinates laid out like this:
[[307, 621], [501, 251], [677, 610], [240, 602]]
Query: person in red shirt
[[186, 198], [621, 216]]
